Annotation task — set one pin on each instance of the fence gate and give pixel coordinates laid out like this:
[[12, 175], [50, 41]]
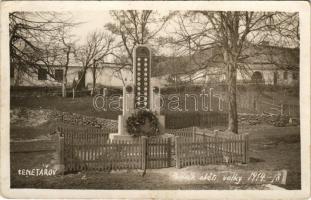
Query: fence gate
[[159, 153]]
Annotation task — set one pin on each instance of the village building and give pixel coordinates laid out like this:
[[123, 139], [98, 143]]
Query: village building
[[106, 75], [263, 64]]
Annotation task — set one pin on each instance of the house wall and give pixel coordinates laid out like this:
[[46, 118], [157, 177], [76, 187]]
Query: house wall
[[72, 74], [217, 74], [267, 73], [109, 77], [290, 80], [160, 80], [268, 76], [105, 76], [33, 80]]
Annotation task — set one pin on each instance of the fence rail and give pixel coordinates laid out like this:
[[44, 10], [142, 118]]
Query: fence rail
[[96, 152], [85, 149], [159, 153], [205, 149], [183, 132]]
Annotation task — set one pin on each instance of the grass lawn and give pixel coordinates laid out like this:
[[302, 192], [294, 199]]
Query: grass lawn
[[81, 105], [276, 148]]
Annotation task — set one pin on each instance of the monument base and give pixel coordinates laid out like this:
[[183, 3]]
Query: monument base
[[167, 135], [122, 125], [123, 135], [118, 137], [161, 119]]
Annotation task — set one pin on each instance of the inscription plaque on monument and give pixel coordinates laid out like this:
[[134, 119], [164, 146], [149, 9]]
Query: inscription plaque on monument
[[142, 65]]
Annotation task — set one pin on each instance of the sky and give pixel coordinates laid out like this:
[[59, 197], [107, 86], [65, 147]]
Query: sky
[[91, 21], [96, 20]]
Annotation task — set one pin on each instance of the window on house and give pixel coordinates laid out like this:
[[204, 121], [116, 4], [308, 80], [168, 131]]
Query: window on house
[[42, 74], [285, 75], [295, 75], [59, 75]]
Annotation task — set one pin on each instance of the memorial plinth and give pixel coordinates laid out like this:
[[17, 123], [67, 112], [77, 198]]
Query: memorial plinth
[[140, 95]]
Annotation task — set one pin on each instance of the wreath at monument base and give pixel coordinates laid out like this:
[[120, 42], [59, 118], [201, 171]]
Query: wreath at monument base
[[143, 123]]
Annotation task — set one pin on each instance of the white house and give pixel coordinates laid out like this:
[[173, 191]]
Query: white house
[[106, 75]]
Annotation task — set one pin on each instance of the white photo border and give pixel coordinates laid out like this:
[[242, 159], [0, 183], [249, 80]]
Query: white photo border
[[303, 7]]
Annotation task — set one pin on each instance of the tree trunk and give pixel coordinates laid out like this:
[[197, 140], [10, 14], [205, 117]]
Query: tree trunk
[[64, 84], [81, 80], [64, 93], [94, 79], [233, 115], [231, 80]]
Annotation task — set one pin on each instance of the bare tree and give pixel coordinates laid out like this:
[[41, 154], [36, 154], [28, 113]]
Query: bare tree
[[97, 47], [67, 52], [34, 41], [136, 27], [119, 75], [232, 33]]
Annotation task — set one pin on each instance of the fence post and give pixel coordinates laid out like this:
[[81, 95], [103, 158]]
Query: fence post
[[177, 153], [169, 152], [60, 153], [193, 133], [144, 153], [52, 128], [245, 149], [73, 93]]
